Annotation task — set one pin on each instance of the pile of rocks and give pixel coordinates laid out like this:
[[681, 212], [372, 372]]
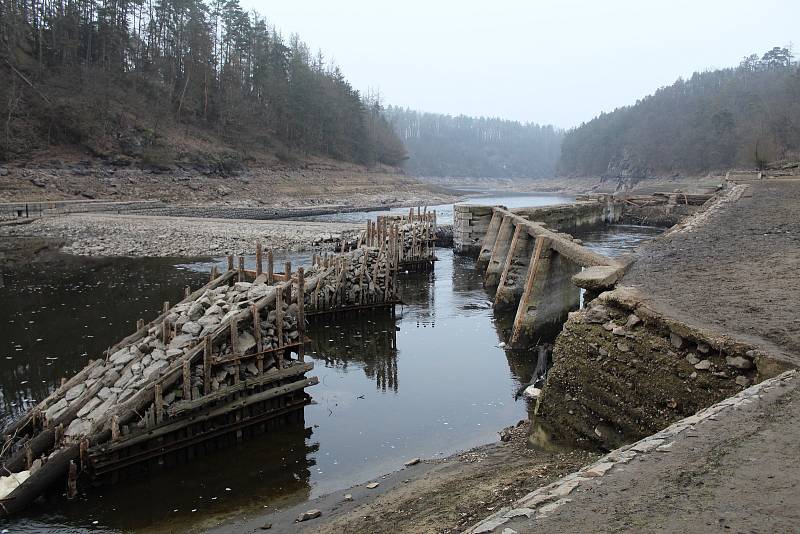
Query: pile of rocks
[[134, 365], [359, 277]]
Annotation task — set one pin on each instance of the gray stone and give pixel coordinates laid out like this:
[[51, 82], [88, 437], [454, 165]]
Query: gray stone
[[373, 485], [89, 406], [677, 341], [240, 287], [154, 368], [104, 393], [348, 497], [181, 341], [75, 391], [413, 461], [703, 365], [78, 427], [214, 309], [702, 348], [196, 311], [258, 291], [56, 409], [122, 356], [309, 514], [623, 347], [246, 342], [171, 353], [633, 321], [618, 331], [743, 381], [739, 362], [692, 359], [191, 328]]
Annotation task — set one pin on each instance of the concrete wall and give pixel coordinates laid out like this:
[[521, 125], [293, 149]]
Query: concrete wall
[[472, 221]]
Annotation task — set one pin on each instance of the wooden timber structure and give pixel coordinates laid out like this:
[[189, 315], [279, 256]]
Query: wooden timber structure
[[226, 360]]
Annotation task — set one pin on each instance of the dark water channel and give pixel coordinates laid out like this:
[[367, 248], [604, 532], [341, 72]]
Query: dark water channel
[[431, 384]]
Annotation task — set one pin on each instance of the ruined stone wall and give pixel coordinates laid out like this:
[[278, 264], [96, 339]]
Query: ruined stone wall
[[620, 373], [470, 223]]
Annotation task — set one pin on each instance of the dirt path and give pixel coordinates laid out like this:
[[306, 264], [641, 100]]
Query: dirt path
[[736, 273], [435, 496], [734, 470]]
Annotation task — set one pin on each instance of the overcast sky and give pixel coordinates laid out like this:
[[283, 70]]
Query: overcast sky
[[558, 62]]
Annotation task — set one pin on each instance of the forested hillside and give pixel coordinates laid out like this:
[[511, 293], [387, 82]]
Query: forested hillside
[[158, 80], [745, 116], [442, 145]]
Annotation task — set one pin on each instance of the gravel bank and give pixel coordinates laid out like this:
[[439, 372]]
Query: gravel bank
[[133, 235]]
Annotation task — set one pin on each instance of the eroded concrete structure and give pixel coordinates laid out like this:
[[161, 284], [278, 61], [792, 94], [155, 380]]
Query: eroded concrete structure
[[537, 270]]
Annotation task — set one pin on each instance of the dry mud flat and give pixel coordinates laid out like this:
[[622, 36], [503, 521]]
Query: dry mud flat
[[131, 235]]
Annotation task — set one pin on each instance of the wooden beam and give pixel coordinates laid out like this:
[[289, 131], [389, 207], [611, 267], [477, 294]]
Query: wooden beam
[[509, 257], [533, 268]]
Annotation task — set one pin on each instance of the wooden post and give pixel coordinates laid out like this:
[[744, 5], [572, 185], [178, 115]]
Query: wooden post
[[186, 292], [279, 316], [214, 273], [234, 331], [187, 381], [166, 332], [301, 312], [257, 334], [270, 267], [523, 303], [259, 259], [287, 270], [158, 403], [207, 348], [230, 262], [166, 306], [114, 428], [139, 324], [361, 291], [241, 268], [72, 480], [509, 257]]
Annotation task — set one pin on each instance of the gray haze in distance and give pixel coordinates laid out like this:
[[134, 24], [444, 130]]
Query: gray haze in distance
[[557, 62]]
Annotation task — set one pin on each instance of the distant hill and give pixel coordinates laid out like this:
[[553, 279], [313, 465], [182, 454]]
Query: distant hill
[[175, 81], [443, 145], [745, 116]]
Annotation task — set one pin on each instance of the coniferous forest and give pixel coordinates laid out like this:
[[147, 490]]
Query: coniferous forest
[[746, 116], [128, 76], [442, 145]]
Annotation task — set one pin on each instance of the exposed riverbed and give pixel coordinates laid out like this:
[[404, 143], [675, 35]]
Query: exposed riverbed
[[434, 383]]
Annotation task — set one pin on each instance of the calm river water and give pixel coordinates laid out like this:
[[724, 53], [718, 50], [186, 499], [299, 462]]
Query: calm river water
[[447, 386]]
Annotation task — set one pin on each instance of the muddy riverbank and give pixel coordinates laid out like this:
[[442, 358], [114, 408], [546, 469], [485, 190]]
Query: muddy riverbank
[[444, 495]]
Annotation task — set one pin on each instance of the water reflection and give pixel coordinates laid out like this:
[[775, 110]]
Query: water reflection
[[370, 340]]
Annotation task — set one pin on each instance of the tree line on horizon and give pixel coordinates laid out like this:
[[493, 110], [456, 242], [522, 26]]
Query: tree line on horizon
[[747, 116], [112, 74], [462, 146]]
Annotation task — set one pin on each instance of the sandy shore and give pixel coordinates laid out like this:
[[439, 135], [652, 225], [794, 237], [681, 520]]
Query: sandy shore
[[93, 234]]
